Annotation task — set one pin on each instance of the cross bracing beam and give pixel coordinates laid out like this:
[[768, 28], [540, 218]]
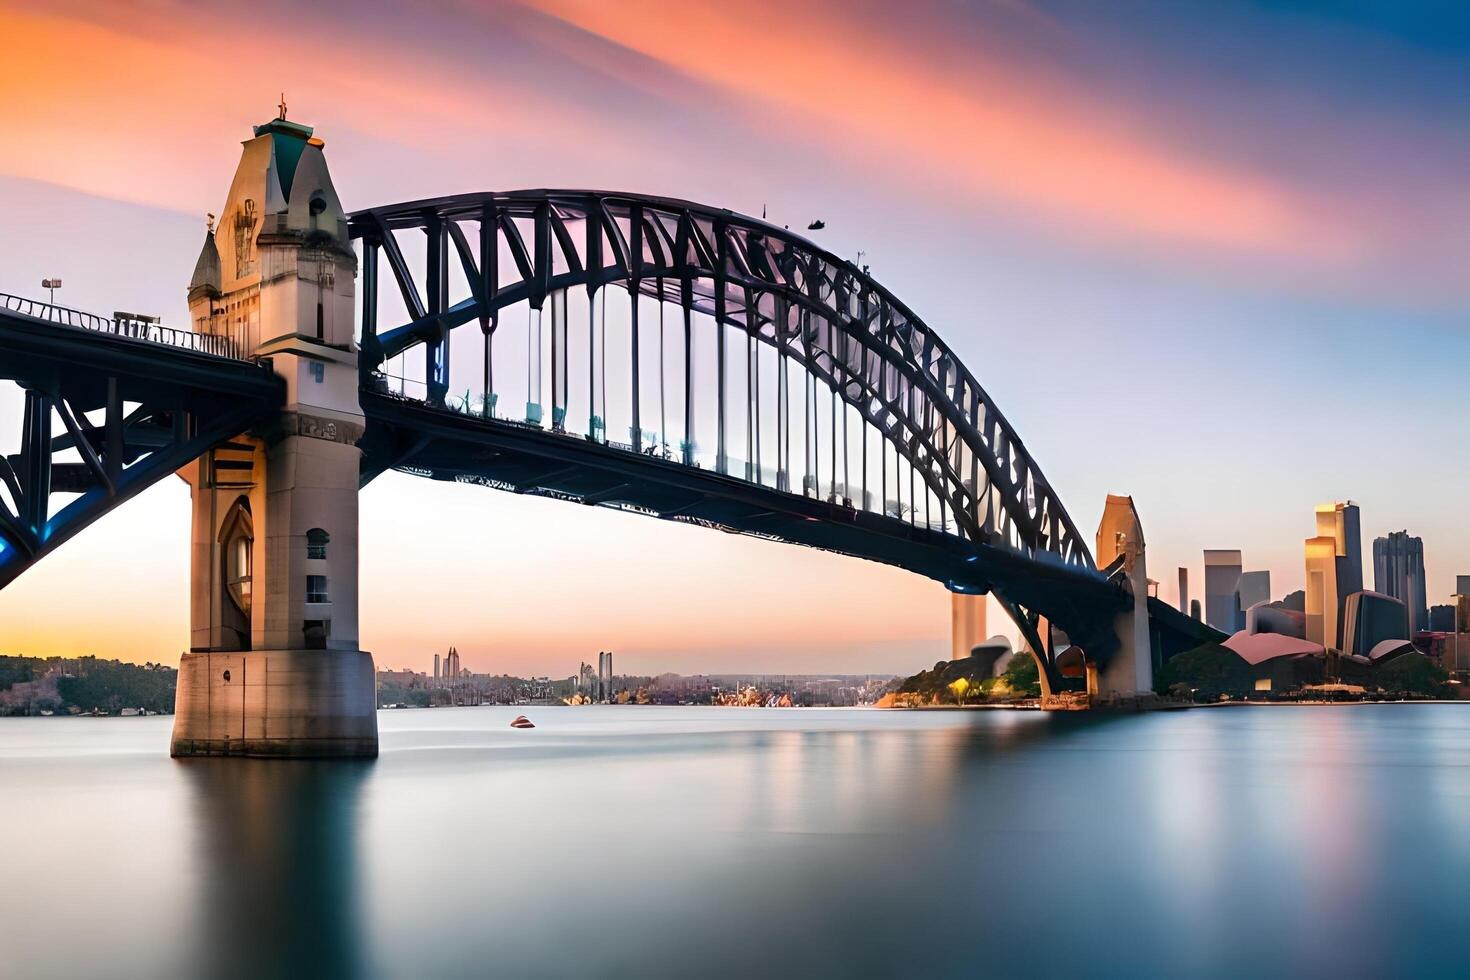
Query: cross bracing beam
[[131, 411]]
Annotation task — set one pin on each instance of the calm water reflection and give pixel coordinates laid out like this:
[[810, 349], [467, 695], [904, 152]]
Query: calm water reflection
[[725, 842], [278, 847]]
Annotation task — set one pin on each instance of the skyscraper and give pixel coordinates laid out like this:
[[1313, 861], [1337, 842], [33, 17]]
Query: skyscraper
[[1398, 570], [1184, 590], [1321, 600], [604, 675], [436, 666], [1252, 588], [1222, 575], [451, 664], [1340, 522]]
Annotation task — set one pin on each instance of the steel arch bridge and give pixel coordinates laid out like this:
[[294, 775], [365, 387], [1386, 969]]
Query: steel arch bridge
[[761, 318], [768, 388]]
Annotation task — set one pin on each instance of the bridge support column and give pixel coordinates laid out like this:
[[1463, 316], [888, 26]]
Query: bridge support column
[[966, 624], [1130, 671], [274, 667]]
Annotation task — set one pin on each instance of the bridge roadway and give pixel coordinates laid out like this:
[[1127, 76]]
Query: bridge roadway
[[444, 444], [135, 402]]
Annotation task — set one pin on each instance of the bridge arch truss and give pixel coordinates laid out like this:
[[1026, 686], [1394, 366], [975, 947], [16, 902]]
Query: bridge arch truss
[[741, 290]]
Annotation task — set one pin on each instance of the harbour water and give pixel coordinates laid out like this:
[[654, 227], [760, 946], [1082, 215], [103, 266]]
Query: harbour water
[[683, 842]]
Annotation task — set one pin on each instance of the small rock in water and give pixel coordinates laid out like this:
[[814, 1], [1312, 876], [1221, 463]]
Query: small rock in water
[[521, 721]]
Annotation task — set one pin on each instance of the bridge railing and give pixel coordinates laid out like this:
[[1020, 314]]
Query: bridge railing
[[144, 330], [664, 446]]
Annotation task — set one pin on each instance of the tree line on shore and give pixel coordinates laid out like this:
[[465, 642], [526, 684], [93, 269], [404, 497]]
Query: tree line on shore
[[1207, 673], [31, 685]]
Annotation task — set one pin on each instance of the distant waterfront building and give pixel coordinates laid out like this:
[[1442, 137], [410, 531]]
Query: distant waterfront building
[[995, 654], [405, 678], [451, 664], [966, 624], [1340, 521], [604, 676], [1321, 591], [1398, 570], [1442, 618], [586, 681], [436, 667], [1275, 617], [1461, 636], [1278, 662], [1372, 618], [1252, 589], [1222, 575], [1184, 590]]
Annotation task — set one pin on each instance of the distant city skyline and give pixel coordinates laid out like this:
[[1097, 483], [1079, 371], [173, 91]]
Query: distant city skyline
[[1198, 207]]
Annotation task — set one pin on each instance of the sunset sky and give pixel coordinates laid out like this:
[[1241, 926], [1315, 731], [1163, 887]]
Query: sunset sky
[[1216, 256]]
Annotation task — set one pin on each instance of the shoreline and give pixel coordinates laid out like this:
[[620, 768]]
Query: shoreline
[[1033, 707], [1179, 706]]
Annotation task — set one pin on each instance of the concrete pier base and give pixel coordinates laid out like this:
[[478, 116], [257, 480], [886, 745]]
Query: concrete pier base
[[280, 703]]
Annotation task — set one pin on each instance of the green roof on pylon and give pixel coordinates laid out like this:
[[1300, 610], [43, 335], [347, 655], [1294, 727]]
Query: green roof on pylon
[[289, 143]]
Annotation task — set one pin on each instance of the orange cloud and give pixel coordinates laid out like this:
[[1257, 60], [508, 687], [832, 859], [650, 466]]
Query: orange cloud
[[986, 128], [151, 107]]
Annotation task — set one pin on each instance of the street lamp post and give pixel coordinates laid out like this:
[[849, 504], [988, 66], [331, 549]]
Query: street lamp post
[[53, 285]]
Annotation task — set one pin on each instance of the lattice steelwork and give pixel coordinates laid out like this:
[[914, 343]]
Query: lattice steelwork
[[107, 408], [735, 346]]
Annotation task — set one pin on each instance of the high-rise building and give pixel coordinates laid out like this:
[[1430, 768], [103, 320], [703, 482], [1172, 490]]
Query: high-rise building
[[1460, 641], [1184, 590], [604, 676], [436, 666], [966, 624], [1321, 593], [1442, 618], [1252, 588], [1398, 570], [451, 664], [1222, 575], [1340, 521]]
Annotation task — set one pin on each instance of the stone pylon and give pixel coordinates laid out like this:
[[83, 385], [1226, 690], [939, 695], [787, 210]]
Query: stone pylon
[[274, 666], [1130, 671]]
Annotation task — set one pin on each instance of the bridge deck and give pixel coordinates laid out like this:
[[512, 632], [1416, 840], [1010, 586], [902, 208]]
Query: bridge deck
[[443, 444], [130, 406]]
